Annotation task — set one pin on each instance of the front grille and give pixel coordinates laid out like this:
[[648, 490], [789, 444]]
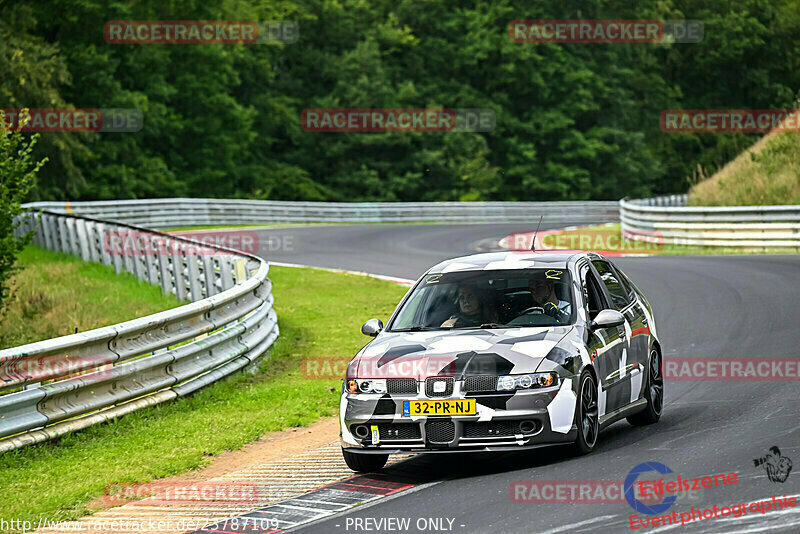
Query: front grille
[[440, 431], [401, 385], [480, 383], [448, 388]]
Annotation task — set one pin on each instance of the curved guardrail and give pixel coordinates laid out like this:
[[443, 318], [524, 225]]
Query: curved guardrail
[[74, 381], [172, 212], [669, 220]]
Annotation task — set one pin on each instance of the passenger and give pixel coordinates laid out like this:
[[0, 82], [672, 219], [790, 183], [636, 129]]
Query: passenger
[[472, 309]]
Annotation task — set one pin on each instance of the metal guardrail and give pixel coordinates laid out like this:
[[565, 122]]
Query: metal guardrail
[[175, 212], [668, 219], [93, 376]]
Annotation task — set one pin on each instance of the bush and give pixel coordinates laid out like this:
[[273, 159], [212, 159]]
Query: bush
[[17, 177]]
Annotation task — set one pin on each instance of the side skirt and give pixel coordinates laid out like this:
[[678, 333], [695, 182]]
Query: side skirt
[[620, 413]]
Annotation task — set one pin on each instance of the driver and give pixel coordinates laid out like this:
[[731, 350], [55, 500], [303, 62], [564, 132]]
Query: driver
[[544, 296], [472, 310]]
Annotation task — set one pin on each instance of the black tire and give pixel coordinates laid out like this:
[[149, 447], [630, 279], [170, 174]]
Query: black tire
[[654, 393], [364, 463], [586, 415]]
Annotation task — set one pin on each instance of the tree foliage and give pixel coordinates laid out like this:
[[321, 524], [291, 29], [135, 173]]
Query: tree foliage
[[17, 176], [574, 121]]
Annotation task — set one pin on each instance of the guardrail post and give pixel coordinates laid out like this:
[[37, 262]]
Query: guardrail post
[[179, 273], [83, 239], [209, 275]]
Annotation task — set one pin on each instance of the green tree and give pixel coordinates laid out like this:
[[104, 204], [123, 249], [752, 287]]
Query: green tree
[[17, 177]]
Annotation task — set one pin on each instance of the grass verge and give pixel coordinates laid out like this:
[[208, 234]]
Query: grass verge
[[768, 173], [319, 313], [43, 305]]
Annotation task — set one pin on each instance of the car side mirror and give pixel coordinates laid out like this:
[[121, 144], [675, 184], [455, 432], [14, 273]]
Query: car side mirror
[[372, 327], [607, 319]]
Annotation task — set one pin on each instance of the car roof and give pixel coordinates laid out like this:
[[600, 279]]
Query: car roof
[[518, 259]]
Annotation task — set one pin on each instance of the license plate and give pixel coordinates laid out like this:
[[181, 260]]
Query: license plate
[[439, 407]]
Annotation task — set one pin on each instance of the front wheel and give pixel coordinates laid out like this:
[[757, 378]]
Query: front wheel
[[586, 415], [364, 463], [653, 393]]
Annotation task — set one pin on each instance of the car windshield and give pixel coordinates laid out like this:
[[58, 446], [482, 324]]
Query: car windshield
[[487, 299]]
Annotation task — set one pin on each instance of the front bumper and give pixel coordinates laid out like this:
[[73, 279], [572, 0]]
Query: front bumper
[[505, 421]]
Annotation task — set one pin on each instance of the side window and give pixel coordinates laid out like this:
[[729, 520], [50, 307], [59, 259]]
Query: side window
[[591, 291], [626, 284], [619, 294]]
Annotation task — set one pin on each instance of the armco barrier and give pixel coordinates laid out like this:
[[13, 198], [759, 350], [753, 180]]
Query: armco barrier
[[174, 212], [734, 226], [96, 375]]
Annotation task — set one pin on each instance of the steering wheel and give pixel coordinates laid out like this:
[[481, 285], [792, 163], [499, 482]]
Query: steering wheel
[[533, 309]]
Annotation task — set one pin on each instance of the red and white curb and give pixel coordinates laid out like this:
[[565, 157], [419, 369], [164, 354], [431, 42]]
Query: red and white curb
[[313, 506]]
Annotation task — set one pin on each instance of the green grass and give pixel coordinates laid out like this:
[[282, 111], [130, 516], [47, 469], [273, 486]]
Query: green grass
[[53, 294], [667, 249], [768, 173], [319, 313]]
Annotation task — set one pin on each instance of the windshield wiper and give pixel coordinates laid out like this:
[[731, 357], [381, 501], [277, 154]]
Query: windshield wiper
[[414, 329], [484, 325]]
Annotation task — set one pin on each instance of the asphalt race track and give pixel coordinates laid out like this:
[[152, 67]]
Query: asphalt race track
[[705, 306]]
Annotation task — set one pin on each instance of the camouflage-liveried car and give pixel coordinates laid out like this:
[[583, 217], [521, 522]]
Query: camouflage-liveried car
[[503, 351]]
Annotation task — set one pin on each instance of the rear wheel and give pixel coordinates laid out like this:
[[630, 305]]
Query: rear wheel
[[586, 415], [364, 463], [654, 393]]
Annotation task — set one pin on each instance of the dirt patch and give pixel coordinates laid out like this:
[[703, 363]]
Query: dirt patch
[[273, 446]]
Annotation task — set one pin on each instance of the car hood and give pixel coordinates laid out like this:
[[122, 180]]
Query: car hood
[[457, 353]]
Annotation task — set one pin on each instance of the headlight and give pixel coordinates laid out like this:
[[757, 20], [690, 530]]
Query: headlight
[[533, 380], [366, 386]]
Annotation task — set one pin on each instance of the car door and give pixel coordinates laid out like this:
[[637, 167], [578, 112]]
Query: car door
[[606, 346], [622, 364], [637, 318]]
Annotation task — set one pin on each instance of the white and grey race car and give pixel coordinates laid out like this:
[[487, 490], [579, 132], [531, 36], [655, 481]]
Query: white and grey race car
[[503, 351]]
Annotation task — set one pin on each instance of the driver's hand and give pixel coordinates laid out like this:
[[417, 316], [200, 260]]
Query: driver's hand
[[450, 322], [554, 311]]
